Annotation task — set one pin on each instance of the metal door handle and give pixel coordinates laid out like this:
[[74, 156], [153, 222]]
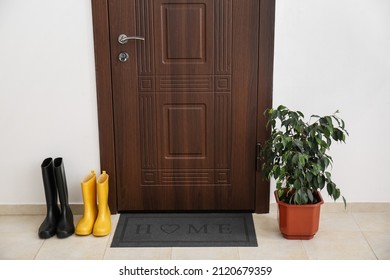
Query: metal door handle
[[123, 38]]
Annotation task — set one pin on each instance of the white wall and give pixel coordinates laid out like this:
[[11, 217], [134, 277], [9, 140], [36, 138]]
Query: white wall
[[47, 95], [329, 54], [335, 54]]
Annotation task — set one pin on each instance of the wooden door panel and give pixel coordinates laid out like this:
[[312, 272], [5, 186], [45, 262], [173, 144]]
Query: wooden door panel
[[185, 104], [122, 154], [184, 36], [185, 128]]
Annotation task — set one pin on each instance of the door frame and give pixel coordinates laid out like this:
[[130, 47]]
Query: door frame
[[101, 32]]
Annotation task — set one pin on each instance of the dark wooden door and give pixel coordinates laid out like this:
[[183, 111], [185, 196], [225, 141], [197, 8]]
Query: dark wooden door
[[185, 104]]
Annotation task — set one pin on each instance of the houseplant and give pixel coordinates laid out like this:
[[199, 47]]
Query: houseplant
[[296, 156]]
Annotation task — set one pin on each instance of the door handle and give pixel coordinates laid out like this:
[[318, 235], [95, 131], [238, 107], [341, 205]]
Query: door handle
[[123, 38]]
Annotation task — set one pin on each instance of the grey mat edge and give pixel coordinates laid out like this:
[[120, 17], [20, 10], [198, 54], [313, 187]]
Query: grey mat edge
[[252, 242]]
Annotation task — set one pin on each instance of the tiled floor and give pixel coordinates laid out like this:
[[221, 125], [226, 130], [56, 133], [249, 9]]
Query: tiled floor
[[360, 232]]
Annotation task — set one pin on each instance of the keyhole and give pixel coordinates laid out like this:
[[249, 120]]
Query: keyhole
[[123, 56]]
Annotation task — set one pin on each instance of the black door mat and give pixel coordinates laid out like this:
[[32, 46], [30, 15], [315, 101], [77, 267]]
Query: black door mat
[[185, 230]]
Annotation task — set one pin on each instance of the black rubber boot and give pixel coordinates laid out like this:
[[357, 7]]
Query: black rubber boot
[[65, 226], [49, 226]]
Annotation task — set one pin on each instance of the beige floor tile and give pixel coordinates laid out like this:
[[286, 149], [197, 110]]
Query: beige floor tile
[[203, 253], [73, 248], [371, 207], [114, 221], [361, 232], [267, 227], [337, 221], [23, 223], [338, 246], [77, 247], [379, 222], [267, 222], [19, 245], [332, 207], [379, 243], [271, 243], [138, 254], [281, 249], [19, 236]]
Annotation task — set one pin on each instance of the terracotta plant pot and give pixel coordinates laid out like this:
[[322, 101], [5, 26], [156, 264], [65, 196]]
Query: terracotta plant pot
[[299, 221]]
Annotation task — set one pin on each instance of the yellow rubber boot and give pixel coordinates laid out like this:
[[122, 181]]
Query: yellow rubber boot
[[88, 188], [103, 222]]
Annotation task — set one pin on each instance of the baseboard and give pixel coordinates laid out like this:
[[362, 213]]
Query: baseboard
[[34, 209], [353, 207], [77, 209]]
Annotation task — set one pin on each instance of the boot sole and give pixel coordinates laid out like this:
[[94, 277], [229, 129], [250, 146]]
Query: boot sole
[[64, 234], [46, 235]]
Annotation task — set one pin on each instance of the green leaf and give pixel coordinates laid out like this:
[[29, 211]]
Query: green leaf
[[309, 177], [301, 197], [299, 144], [285, 140], [277, 172], [336, 194], [345, 202], [310, 195], [324, 163], [297, 173], [297, 198], [323, 144], [279, 147], [280, 192], [321, 181], [301, 160], [330, 129], [297, 184], [315, 184], [314, 170], [295, 159], [329, 120], [330, 187], [286, 123], [274, 114]]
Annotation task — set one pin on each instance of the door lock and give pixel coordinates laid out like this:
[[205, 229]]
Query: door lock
[[123, 56]]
